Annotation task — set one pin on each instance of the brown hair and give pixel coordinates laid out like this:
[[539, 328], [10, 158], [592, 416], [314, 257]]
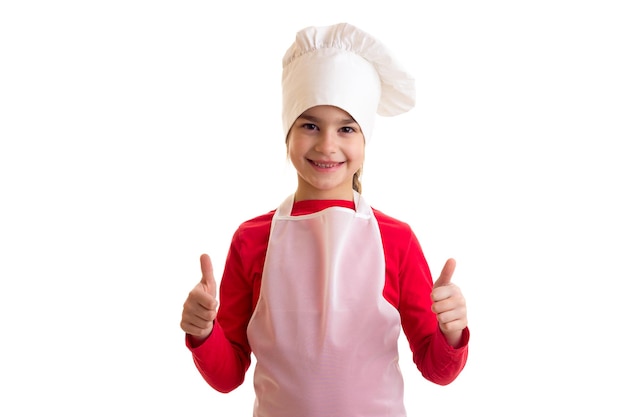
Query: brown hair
[[356, 181]]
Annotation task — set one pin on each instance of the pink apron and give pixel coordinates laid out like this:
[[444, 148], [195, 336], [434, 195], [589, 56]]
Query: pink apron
[[324, 338]]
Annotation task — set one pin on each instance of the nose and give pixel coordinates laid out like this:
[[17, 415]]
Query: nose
[[327, 142]]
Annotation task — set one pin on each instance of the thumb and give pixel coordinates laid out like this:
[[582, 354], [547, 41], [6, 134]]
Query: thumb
[[446, 274], [208, 279]]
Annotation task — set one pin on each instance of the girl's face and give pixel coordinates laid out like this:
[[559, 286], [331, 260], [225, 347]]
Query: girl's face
[[327, 147]]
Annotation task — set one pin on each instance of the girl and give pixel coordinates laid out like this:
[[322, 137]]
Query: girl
[[320, 288]]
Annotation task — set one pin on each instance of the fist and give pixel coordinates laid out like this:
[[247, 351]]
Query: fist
[[200, 308], [449, 304]]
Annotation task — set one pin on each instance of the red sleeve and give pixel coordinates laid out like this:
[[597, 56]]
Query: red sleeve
[[221, 365], [408, 286], [224, 357]]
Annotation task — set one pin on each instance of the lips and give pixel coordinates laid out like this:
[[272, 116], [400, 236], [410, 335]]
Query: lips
[[325, 164]]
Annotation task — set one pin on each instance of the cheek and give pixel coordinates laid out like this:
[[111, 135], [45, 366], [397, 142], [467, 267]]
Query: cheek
[[358, 154], [293, 152]]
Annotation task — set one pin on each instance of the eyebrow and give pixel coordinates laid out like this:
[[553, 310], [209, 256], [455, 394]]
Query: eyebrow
[[314, 119]]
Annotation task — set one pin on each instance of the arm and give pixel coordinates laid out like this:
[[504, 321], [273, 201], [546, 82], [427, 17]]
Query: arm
[[223, 357], [439, 356]]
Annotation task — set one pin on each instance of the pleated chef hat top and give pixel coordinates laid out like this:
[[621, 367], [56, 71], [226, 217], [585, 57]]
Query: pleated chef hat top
[[343, 66]]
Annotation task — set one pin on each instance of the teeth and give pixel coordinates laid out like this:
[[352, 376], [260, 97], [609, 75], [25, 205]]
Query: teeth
[[324, 165]]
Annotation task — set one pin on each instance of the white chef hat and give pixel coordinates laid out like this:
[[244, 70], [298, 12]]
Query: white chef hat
[[342, 66]]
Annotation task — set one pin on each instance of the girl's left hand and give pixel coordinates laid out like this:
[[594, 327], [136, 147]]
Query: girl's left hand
[[449, 305]]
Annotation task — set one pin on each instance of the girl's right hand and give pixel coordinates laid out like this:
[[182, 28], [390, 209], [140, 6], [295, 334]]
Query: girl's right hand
[[200, 308]]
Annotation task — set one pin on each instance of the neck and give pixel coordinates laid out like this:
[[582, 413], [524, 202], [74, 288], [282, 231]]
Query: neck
[[301, 195]]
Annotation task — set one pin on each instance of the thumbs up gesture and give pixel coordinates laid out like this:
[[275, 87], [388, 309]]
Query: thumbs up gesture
[[449, 305], [200, 308]]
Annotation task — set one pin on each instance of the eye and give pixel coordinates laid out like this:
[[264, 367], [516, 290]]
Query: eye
[[309, 126], [347, 129]]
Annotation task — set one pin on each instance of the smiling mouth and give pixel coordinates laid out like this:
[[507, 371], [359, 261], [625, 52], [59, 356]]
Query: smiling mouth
[[325, 164]]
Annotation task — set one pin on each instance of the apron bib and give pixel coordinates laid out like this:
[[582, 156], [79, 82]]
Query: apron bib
[[324, 338]]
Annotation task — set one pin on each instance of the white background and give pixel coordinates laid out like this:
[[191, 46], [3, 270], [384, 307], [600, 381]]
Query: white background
[[136, 135]]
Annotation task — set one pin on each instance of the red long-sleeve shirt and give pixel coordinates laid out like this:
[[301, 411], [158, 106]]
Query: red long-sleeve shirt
[[225, 356]]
